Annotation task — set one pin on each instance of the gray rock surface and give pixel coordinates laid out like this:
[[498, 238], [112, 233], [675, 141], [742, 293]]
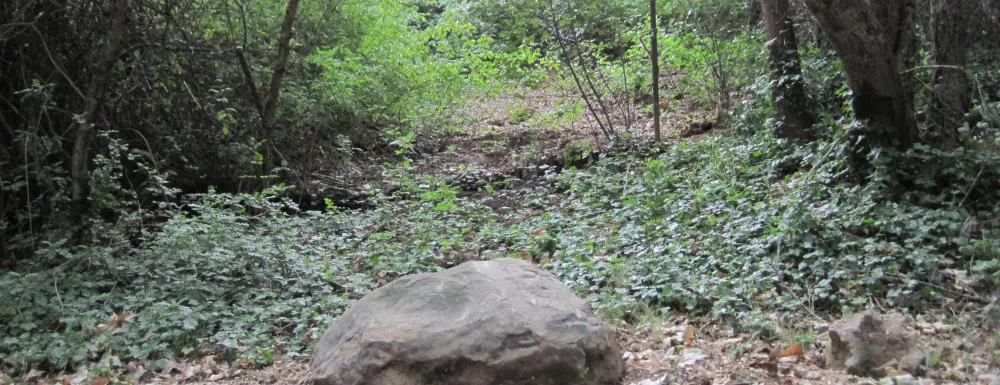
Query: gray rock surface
[[499, 322], [867, 343]]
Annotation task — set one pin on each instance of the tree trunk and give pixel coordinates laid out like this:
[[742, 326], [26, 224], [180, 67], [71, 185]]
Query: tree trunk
[[79, 170], [280, 67], [3, 248], [790, 103], [951, 91], [754, 11], [654, 58], [871, 59]]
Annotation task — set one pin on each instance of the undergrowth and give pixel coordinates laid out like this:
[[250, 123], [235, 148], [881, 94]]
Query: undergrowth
[[728, 227]]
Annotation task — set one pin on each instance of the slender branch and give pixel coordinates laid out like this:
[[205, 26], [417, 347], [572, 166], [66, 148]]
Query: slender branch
[[654, 59], [914, 69], [597, 95], [45, 46], [972, 186], [248, 78], [572, 70]]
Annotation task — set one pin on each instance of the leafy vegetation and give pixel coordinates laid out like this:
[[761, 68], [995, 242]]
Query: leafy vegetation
[[202, 232]]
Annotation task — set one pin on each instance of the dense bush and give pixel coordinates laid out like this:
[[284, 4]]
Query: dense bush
[[183, 93], [733, 226], [236, 273]]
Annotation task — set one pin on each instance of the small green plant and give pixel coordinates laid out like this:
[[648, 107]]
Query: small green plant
[[577, 150], [804, 338], [495, 144], [520, 113], [529, 154], [443, 197]]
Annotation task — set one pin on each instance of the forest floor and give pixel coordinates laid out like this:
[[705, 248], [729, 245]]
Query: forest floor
[[714, 356], [515, 131], [533, 129]]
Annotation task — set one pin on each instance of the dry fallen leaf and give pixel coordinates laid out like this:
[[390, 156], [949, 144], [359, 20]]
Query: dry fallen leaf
[[135, 370], [963, 281], [100, 381], [540, 232], [792, 351], [309, 338], [101, 328], [893, 372], [79, 377], [689, 337], [190, 371], [120, 319]]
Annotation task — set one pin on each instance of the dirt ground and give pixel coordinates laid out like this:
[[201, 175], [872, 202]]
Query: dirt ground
[[676, 352]]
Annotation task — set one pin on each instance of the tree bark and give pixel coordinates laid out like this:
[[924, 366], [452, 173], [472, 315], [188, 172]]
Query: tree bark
[[80, 163], [790, 102], [754, 11], [654, 58], [251, 83], [951, 90], [870, 53], [280, 67]]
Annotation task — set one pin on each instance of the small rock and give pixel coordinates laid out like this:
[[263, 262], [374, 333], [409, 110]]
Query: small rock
[[988, 378], [863, 343], [821, 328], [808, 373], [691, 357], [650, 381], [991, 316], [135, 371], [905, 379]]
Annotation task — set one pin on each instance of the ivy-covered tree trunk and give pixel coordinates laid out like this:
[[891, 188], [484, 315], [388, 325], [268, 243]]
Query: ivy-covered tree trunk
[[84, 135], [790, 102], [951, 91], [872, 42]]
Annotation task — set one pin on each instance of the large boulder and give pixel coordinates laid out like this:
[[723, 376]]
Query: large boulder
[[498, 322]]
